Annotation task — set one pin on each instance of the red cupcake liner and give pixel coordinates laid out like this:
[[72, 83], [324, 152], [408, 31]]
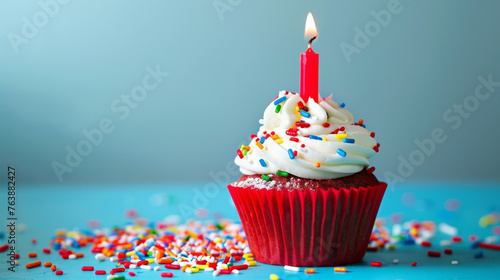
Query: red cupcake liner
[[308, 228]]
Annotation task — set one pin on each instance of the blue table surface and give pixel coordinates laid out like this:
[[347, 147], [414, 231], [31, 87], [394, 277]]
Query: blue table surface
[[44, 208]]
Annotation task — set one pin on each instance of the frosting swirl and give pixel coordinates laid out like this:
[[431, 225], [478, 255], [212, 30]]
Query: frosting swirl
[[309, 140]]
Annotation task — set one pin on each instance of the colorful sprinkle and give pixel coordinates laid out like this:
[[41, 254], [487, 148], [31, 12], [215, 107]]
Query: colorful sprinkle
[[278, 108], [305, 114], [259, 145], [341, 135], [262, 139], [414, 264], [265, 177], [263, 162], [347, 140], [240, 154], [340, 269], [342, 105], [33, 264], [274, 277], [290, 154], [292, 268], [309, 270], [314, 137], [282, 173], [341, 152], [318, 164], [434, 254], [279, 100], [377, 264], [448, 251]]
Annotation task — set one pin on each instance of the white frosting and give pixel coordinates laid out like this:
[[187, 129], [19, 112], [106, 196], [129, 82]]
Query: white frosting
[[305, 164]]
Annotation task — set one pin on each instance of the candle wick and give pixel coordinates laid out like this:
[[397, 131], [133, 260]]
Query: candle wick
[[312, 39]]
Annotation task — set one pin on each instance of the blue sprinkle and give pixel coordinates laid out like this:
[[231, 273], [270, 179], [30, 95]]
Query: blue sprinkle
[[315, 137], [262, 162], [262, 139], [342, 105], [305, 114], [290, 154], [409, 242], [57, 246], [478, 255], [363, 125], [475, 244], [229, 237], [348, 140], [341, 152], [184, 255], [279, 100]]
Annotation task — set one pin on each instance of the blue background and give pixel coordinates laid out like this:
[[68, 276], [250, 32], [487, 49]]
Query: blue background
[[225, 67]]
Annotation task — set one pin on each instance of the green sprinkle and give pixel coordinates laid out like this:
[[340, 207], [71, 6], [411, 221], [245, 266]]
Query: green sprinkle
[[150, 253], [265, 177], [229, 264], [244, 152], [278, 108], [118, 278], [282, 173]]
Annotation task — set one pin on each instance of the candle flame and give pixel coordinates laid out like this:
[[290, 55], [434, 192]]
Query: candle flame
[[311, 30]]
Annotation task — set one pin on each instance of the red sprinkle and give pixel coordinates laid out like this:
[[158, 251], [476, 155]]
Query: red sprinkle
[[46, 250], [172, 266], [326, 124], [167, 274], [448, 251], [426, 244], [88, 268], [100, 272], [272, 133], [121, 269], [224, 271], [376, 264], [239, 267], [456, 239], [303, 145], [294, 139], [253, 136], [59, 272], [121, 255], [370, 170], [302, 124], [4, 247], [292, 132], [434, 254], [33, 240], [131, 273], [295, 153], [372, 134], [489, 246], [413, 263], [240, 154]]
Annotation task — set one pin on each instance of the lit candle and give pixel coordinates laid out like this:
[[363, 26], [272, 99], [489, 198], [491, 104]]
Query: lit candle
[[309, 64]]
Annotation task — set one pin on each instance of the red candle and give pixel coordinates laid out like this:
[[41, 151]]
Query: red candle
[[309, 65]]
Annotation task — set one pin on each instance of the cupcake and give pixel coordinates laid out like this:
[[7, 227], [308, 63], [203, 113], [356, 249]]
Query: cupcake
[[307, 196]]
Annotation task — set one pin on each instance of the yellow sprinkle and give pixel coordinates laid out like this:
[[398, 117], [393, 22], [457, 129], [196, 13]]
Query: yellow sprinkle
[[324, 138], [318, 164], [128, 254], [297, 108], [195, 269], [247, 255], [340, 269], [218, 240], [248, 149], [341, 135], [249, 259], [391, 247], [279, 141], [201, 266], [224, 266], [274, 277], [259, 145], [252, 263], [151, 260]]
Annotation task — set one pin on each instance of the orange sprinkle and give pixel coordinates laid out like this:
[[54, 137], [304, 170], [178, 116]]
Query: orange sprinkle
[[32, 255], [259, 145], [47, 264], [165, 261], [318, 164], [33, 264], [53, 267], [184, 267], [79, 255], [360, 122], [340, 269], [309, 270]]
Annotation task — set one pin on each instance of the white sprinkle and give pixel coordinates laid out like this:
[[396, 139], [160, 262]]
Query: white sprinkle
[[113, 259], [157, 268], [133, 266], [215, 273], [447, 229], [491, 239], [189, 270], [235, 271], [135, 261], [445, 243], [209, 269], [100, 257], [291, 268], [454, 262], [72, 257], [395, 261], [148, 267]]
